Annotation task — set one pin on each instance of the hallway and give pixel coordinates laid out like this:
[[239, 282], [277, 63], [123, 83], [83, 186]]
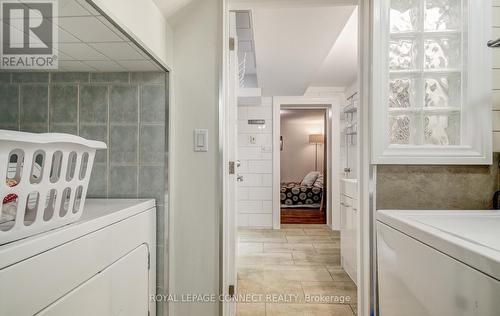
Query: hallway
[[293, 271]]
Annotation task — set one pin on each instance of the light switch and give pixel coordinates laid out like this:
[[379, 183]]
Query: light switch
[[201, 140]]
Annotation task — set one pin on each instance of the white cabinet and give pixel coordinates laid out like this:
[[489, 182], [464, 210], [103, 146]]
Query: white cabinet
[[431, 82], [349, 227], [104, 264]]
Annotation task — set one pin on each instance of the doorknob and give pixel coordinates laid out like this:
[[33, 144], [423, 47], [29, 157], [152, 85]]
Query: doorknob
[[238, 163], [239, 178]]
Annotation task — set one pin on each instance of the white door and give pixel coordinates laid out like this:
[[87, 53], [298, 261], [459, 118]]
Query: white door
[[230, 169]]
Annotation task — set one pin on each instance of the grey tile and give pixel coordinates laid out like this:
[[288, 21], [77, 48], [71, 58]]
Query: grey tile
[[68, 128], [160, 224], [30, 77], [123, 182], [9, 104], [98, 181], [96, 132], [152, 77], [123, 144], [153, 106], [161, 305], [160, 269], [63, 103], [152, 184], [93, 104], [5, 77], [109, 77], [34, 104], [152, 144], [124, 104], [70, 77], [9, 126], [34, 128], [160, 310]]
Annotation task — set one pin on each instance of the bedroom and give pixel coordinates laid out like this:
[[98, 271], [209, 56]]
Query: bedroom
[[303, 147]]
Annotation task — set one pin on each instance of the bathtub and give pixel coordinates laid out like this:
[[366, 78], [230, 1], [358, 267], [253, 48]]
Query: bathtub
[[439, 263]]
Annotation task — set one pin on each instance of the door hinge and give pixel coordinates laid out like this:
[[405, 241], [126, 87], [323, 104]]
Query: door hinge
[[230, 290], [231, 43], [149, 260], [231, 167]]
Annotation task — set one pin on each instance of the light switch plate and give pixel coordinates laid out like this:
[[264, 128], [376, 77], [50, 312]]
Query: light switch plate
[[200, 140]]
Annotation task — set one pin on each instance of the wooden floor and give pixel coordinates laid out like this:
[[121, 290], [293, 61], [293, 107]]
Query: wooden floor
[[302, 216]]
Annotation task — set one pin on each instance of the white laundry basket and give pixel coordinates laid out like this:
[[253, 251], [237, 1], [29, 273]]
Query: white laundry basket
[[44, 180]]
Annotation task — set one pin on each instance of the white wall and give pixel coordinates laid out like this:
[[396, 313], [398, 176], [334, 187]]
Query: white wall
[[255, 192], [145, 23], [298, 155], [195, 190], [496, 77]]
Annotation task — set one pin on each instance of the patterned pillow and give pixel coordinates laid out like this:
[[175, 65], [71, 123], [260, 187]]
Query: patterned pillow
[[310, 178], [319, 183]]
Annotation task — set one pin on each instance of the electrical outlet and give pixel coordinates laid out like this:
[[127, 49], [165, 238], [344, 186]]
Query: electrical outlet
[[252, 139]]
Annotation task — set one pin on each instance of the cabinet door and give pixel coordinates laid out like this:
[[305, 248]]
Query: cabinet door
[[432, 82], [121, 289]]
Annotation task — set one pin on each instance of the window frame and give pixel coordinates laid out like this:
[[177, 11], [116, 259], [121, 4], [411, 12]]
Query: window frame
[[475, 114]]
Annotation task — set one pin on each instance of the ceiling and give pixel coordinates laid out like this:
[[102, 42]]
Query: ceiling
[[87, 41], [170, 7], [295, 48], [340, 67], [243, 4]]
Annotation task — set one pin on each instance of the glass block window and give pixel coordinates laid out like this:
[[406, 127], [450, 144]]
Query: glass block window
[[426, 71]]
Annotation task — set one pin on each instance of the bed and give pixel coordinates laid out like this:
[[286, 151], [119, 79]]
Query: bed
[[304, 194]]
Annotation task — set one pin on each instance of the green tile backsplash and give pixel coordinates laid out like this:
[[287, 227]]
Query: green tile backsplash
[[127, 111], [94, 104], [63, 104], [123, 104]]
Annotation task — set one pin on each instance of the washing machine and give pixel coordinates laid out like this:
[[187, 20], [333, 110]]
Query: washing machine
[[104, 264], [438, 263]]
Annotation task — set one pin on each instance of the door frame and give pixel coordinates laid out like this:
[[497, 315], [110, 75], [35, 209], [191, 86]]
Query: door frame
[[332, 106], [367, 281]]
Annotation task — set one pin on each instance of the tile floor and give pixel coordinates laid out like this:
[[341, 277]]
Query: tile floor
[[293, 271]]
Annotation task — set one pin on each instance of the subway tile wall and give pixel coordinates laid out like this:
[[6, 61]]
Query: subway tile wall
[[255, 153], [127, 111]]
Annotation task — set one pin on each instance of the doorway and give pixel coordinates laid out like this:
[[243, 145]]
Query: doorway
[[272, 252], [303, 168]]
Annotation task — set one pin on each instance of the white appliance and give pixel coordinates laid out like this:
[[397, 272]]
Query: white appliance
[[103, 264], [349, 227], [438, 263]]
